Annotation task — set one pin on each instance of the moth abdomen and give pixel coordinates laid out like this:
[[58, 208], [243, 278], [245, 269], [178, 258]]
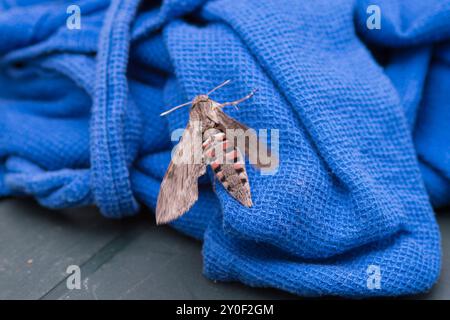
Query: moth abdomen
[[228, 165]]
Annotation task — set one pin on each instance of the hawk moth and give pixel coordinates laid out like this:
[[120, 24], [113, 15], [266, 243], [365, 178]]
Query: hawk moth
[[207, 141]]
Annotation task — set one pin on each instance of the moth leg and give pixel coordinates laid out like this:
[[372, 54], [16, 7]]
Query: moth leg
[[235, 103]]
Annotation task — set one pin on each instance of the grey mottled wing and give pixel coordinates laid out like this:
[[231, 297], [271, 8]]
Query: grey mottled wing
[[179, 188]]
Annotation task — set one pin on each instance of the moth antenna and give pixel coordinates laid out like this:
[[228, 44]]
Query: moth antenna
[[235, 103], [219, 86], [175, 108]]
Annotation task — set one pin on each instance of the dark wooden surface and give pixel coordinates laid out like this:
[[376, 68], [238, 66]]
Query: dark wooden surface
[[128, 259]]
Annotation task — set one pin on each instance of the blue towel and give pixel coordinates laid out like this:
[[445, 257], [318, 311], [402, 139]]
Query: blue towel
[[363, 116]]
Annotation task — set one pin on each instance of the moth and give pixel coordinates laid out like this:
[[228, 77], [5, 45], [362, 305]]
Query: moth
[[207, 141]]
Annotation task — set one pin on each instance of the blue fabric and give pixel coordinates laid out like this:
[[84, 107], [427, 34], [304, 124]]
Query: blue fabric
[[363, 118]]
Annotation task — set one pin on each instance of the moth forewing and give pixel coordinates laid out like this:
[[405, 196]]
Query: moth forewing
[[179, 188], [194, 155]]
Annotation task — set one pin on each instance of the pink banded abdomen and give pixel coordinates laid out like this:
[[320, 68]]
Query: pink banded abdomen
[[228, 165]]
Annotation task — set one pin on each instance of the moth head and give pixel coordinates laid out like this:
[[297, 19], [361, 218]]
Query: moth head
[[203, 105], [200, 98]]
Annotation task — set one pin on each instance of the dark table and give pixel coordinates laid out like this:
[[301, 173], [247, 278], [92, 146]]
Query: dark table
[[127, 259]]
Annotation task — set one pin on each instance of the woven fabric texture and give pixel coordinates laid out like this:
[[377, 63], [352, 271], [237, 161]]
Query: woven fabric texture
[[363, 117]]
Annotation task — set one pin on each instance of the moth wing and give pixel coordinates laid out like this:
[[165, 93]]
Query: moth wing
[[179, 188], [251, 144]]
